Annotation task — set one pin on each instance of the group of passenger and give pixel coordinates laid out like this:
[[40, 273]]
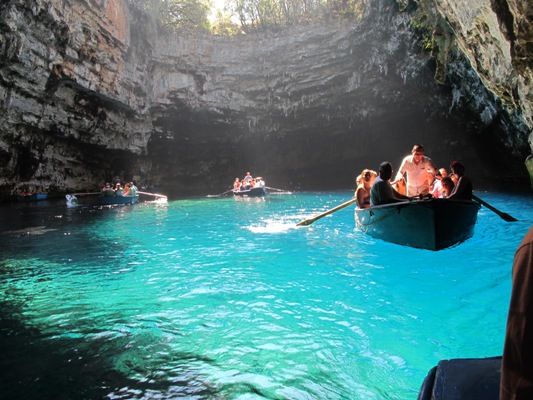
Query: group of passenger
[[129, 189], [248, 182], [416, 178]]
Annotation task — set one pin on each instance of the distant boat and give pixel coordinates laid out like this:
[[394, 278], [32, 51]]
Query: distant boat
[[253, 192], [432, 224], [32, 196], [117, 199]]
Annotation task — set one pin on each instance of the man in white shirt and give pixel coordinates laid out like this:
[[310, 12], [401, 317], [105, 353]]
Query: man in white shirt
[[419, 171]]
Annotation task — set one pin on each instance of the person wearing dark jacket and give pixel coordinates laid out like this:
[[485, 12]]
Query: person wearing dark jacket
[[381, 191], [463, 188], [516, 381]]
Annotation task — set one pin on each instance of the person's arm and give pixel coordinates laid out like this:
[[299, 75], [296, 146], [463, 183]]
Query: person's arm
[[516, 381], [457, 192], [359, 196], [401, 172], [431, 167], [399, 196]]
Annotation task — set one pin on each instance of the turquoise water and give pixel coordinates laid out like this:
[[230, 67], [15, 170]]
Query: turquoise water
[[218, 298]]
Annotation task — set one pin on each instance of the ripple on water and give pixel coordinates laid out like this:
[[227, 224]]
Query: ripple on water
[[226, 299]]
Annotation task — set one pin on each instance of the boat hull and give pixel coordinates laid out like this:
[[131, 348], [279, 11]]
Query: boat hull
[[32, 196], [432, 224], [115, 200], [254, 192]]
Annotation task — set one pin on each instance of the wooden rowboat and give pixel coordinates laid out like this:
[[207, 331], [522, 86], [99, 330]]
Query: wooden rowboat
[[117, 199], [32, 196], [432, 224], [253, 192]]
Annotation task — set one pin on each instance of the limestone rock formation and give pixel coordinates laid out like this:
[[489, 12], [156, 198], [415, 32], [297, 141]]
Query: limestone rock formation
[[91, 90]]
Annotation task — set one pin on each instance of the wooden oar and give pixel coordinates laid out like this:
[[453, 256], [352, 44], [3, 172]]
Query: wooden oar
[[502, 215], [221, 194], [86, 194], [276, 189], [156, 195], [309, 221]]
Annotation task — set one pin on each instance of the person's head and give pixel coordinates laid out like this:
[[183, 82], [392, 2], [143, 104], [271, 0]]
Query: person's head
[[454, 178], [367, 176], [457, 168], [443, 172], [447, 185], [248, 173], [417, 152], [385, 170], [237, 180]]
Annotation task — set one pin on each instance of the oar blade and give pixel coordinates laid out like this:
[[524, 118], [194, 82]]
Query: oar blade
[[306, 222], [508, 218]]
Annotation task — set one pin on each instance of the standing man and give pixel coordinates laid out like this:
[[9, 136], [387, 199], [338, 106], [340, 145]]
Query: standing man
[[419, 170]]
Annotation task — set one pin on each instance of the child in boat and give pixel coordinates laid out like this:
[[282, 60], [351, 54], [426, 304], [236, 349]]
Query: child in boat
[[437, 190]]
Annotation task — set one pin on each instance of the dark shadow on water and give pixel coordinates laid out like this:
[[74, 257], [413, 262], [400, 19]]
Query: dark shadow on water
[[54, 234], [33, 366]]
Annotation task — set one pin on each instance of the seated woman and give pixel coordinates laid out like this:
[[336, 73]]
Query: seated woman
[[364, 182], [126, 191], [463, 188], [118, 189], [447, 186]]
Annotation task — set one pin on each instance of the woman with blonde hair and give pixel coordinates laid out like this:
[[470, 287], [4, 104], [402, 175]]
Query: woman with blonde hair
[[364, 182]]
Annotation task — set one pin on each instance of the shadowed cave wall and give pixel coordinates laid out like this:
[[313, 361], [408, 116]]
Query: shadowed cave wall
[[93, 90]]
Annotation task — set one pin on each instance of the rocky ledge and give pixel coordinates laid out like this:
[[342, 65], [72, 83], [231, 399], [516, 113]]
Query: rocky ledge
[[91, 90]]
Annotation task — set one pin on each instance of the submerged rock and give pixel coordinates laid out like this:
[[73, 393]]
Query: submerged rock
[[90, 91]]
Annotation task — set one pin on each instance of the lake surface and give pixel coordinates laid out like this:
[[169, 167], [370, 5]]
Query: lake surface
[[219, 298]]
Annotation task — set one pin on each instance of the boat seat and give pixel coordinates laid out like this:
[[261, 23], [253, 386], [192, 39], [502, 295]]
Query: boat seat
[[463, 379]]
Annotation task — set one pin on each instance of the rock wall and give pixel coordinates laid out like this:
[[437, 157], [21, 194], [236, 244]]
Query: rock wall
[[494, 37], [91, 90], [70, 109]]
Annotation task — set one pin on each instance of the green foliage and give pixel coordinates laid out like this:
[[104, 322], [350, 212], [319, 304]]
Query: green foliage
[[266, 14], [224, 25], [177, 14], [424, 28], [247, 15]]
